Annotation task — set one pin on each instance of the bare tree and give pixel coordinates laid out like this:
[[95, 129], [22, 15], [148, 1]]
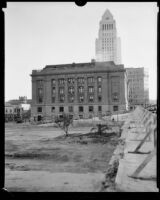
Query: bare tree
[[63, 122]]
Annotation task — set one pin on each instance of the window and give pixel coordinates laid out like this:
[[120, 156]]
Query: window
[[61, 109], [61, 98], [99, 108], [80, 80], [81, 98], [91, 99], [81, 89], [39, 109], [90, 89], [115, 108], [90, 109], [10, 111], [40, 99], [70, 80], [53, 81], [61, 81], [53, 109], [90, 79], [39, 83], [99, 89], [53, 90], [99, 79], [53, 99], [71, 90], [99, 98], [80, 108], [40, 94], [71, 99], [70, 108], [61, 90]]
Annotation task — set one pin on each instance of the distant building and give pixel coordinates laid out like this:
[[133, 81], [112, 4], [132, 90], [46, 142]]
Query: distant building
[[21, 100], [12, 111], [83, 90], [108, 45], [138, 89]]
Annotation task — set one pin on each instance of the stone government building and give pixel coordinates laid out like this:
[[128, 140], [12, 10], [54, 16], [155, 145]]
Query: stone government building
[[82, 90]]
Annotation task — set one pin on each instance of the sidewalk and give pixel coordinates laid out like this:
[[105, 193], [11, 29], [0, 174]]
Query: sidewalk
[[130, 161]]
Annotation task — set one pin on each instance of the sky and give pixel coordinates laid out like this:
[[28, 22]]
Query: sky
[[43, 33]]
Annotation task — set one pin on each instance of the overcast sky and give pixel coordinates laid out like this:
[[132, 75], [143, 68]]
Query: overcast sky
[[39, 34]]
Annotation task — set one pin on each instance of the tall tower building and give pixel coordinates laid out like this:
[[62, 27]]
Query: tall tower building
[[108, 46]]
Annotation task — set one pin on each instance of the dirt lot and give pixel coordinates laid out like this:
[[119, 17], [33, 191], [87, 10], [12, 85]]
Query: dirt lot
[[43, 159]]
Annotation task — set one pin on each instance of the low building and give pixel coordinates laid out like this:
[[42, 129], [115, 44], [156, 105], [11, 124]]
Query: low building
[[138, 89], [81, 89], [12, 111]]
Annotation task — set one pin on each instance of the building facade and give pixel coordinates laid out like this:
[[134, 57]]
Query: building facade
[[11, 111], [108, 45], [83, 90], [138, 88]]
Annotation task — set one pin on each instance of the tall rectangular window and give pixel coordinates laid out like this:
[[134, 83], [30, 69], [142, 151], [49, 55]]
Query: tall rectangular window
[[70, 108], [80, 80], [71, 80], [61, 81], [115, 108], [71, 90], [90, 89], [99, 98], [81, 99], [61, 109], [53, 81], [61, 90], [80, 89], [53, 90], [91, 109], [90, 79], [80, 108], [53, 99], [61, 98], [91, 98], [99, 89], [71, 98], [99, 79], [99, 108], [53, 109], [39, 109]]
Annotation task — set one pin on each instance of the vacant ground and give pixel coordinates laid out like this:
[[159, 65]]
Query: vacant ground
[[43, 159]]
